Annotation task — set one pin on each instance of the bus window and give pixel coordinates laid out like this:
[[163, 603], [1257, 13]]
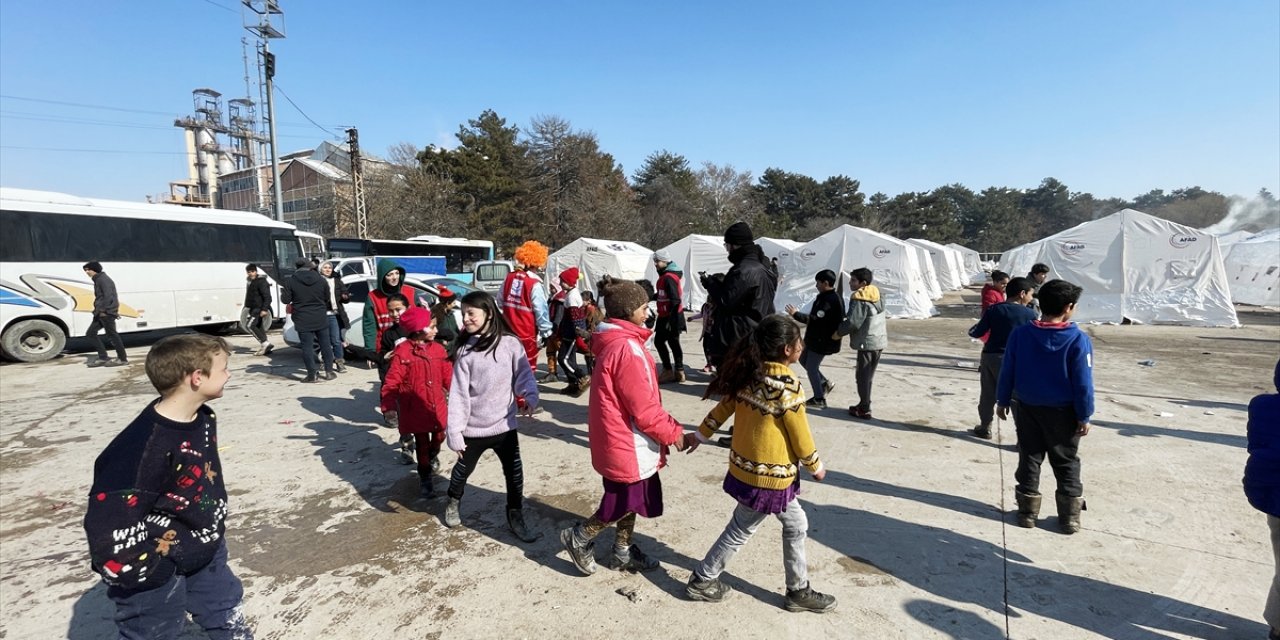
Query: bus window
[[287, 250]]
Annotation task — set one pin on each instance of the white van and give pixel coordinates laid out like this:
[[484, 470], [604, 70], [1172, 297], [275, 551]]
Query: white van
[[490, 274]]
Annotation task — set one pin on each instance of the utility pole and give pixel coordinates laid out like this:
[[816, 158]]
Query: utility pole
[[268, 12], [357, 183]]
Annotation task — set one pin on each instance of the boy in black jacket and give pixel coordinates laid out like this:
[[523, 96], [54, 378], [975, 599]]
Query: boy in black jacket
[[257, 299], [158, 506], [1000, 320], [821, 322]]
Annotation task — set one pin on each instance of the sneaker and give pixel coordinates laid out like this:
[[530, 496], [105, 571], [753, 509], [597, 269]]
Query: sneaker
[[583, 556], [827, 387], [706, 590], [982, 431], [680, 375], [340, 367], [860, 413], [667, 376], [634, 560], [267, 350], [570, 389], [547, 376], [515, 520], [815, 403], [807, 599], [311, 377], [329, 375], [435, 464], [100, 362], [406, 451], [451, 516], [708, 369], [116, 362]]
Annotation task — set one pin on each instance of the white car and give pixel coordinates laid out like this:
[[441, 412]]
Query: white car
[[358, 286]]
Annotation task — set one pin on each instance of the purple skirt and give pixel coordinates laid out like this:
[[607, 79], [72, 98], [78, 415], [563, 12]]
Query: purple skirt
[[644, 498], [768, 501]]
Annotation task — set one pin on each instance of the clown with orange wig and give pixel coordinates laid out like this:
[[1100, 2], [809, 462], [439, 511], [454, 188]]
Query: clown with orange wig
[[524, 301]]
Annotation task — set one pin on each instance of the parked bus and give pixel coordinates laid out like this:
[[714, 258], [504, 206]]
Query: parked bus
[[461, 255], [312, 244], [173, 266]]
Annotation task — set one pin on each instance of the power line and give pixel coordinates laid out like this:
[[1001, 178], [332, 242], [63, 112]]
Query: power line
[[127, 110], [221, 6], [304, 114], [19, 115], [8, 146]]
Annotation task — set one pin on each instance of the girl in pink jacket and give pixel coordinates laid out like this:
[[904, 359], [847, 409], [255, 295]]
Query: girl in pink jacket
[[629, 431]]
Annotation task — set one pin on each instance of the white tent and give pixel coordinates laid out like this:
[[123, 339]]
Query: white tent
[[775, 247], [1253, 269], [926, 269], [598, 258], [695, 253], [972, 263], [894, 263], [948, 266], [1136, 266]]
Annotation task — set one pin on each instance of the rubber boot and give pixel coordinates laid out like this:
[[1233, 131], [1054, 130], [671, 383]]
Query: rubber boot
[[1028, 509], [1069, 509]]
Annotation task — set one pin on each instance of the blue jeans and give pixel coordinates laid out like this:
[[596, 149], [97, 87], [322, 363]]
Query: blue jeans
[[335, 335], [743, 525], [211, 595], [817, 382], [308, 340]]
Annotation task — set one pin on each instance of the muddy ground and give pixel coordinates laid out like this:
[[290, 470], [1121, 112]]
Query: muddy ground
[[910, 531]]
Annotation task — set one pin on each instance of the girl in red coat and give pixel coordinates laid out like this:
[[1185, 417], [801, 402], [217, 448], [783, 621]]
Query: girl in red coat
[[415, 390], [993, 294], [628, 428]]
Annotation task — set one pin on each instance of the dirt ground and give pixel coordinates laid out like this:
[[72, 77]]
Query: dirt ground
[[911, 530]]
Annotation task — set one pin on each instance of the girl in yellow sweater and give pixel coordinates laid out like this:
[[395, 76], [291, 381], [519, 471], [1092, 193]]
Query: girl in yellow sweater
[[771, 440]]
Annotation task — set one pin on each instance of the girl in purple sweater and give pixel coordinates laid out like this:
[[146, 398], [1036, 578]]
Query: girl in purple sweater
[[492, 381]]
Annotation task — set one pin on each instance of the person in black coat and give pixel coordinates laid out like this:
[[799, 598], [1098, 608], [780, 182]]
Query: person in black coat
[[257, 299], [821, 324], [106, 308], [743, 298], [337, 314], [307, 293]]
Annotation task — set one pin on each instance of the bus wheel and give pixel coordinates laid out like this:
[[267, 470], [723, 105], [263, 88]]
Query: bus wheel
[[33, 341]]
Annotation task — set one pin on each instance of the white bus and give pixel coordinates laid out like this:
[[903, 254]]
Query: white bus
[[173, 266], [312, 244], [461, 255]]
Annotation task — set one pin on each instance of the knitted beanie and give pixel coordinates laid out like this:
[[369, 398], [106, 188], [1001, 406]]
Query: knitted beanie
[[739, 234], [415, 319], [622, 297]]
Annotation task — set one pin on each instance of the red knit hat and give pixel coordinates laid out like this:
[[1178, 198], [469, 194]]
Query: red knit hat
[[570, 276], [445, 292], [415, 319]]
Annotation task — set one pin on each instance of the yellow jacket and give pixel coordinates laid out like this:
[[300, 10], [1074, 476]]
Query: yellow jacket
[[770, 431]]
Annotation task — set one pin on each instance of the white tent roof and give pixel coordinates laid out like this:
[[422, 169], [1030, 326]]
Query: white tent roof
[[894, 263], [1136, 266], [773, 247], [972, 263], [1253, 269], [948, 266], [926, 269], [695, 253], [598, 258]]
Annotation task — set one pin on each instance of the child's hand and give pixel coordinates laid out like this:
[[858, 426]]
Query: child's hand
[[820, 475], [387, 355], [1082, 428], [691, 442], [1003, 413]]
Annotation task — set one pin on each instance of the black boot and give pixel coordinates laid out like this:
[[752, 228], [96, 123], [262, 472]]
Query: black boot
[[1028, 508], [1069, 509]]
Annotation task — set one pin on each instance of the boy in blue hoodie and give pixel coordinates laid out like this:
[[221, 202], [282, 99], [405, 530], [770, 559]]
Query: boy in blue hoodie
[[1262, 483], [1048, 369]]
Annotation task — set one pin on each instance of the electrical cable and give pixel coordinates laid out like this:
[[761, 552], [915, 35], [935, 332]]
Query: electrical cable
[[304, 114]]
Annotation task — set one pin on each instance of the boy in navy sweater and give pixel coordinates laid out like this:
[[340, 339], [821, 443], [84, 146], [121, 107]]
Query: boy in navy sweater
[[1048, 369], [158, 506], [1000, 320]]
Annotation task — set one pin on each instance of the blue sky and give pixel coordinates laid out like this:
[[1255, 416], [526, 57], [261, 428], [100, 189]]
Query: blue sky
[[1113, 98]]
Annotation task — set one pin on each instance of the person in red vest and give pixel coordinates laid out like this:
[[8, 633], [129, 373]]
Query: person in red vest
[[523, 299], [671, 323], [377, 318]]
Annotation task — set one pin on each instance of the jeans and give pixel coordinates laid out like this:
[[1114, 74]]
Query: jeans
[[989, 374], [865, 373], [211, 595], [507, 447], [667, 337], [817, 382], [308, 339], [255, 326], [567, 357], [107, 324], [743, 524], [1047, 431], [335, 336]]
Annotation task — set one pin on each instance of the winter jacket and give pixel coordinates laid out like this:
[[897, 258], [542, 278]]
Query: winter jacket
[[998, 322], [417, 386], [447, 333], [573, 316], [771, 437], [105, 300], [991, 296], [376, 318], [740, 301], [1048, 365], [157, 506], [865, 324], [629, 429], [821, 323], [1262, 471], [309, 295], [669, 292], [338, 297], [482, 400], [257, 295]]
